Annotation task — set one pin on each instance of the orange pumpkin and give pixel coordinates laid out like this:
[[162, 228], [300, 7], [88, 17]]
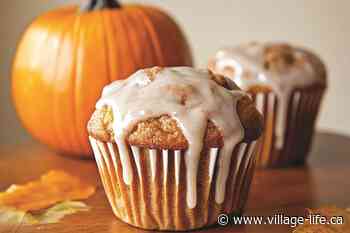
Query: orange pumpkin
[[68, 55]]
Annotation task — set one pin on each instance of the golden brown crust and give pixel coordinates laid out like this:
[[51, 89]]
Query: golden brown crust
[[227, 72], [251, 119], [152, 72], [279, 57], [254, 89], [161, 132], [164, 133], [222, 81], [100, 124]]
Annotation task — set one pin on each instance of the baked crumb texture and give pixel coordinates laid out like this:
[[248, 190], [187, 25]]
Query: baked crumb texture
[[281, 57], [164, 132]]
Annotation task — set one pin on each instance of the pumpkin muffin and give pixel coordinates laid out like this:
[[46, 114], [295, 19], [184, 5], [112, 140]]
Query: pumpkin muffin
[[175, 147], [287, 84]]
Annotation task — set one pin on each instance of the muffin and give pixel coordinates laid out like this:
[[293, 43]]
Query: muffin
[[287, 84], [175, 147]]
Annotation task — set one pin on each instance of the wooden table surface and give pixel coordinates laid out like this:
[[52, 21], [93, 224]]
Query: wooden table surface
[[325, 179]]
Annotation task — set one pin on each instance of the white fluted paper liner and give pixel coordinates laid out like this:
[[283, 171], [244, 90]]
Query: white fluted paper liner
[[156, 197], [297, 130]]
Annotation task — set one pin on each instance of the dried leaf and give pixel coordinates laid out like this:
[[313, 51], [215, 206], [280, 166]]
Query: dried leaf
[[57, 212], [14, 217], [54, 214], [53, 187]]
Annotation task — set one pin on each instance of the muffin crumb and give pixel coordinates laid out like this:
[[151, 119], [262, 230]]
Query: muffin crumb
[[152, 72], [164, 132], [222, 81], [278, 57]]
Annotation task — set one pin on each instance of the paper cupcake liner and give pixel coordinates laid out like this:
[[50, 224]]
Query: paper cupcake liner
[[299, 126], [156, 197]]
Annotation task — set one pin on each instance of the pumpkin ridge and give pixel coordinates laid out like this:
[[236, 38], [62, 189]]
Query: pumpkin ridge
[[78, 40], [124, 31], [125, 18], [153, 36], [55, 116], [133, 39], [118, 54], [54, 138], [76, 31], [168, 22], [17, 84], [148, 56], [106, 46], [109, 38]]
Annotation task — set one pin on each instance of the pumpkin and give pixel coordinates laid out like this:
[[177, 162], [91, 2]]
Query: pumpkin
[[67, 56]]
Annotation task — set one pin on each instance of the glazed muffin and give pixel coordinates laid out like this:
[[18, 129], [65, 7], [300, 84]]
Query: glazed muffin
[[175, 147], [287, 84]]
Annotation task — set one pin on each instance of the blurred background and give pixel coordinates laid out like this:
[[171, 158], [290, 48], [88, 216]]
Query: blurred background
[[320, 25]]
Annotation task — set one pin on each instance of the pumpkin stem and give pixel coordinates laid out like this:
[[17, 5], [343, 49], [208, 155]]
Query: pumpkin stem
[[91, 5]]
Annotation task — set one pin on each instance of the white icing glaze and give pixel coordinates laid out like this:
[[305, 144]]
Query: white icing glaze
[[165, 155], [247, 62], [212, 160], [139, 98], [136, 153], [177, 160], [153, 159]]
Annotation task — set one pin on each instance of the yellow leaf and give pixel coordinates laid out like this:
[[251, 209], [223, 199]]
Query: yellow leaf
[[54, 214], [53, 187]]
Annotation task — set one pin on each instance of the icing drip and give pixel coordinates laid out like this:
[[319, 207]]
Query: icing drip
[[213, 154], [136, 153], [247, 64], [191, 98], [165, 155], [153, 159], [177, 155]]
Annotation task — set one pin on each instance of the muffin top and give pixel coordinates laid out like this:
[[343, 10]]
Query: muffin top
[[279, 68], [276, 66], [147, 107], [178, 108]]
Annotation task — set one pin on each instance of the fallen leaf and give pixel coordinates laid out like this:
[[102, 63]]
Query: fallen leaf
[[12, 216], [53, 187], [57, 212], [54, 214]]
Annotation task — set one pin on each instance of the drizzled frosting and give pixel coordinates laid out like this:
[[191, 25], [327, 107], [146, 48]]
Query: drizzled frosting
[[191, 98], [246, 64]]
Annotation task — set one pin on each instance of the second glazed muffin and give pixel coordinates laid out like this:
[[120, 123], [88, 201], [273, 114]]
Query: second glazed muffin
[[175, 147], [287, 84]]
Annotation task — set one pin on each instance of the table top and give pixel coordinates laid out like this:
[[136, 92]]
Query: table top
[[322, 181]]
